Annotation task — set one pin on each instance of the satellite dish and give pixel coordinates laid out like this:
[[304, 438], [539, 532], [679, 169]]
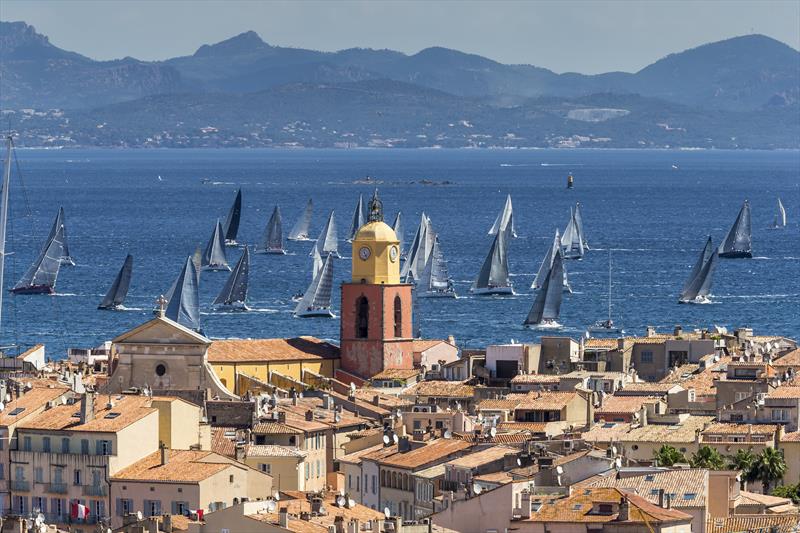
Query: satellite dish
[[559, 470], [271, 505], [493, 432], [63, 400], [386, 439], [8, 397], [2, 406], [387, 512], [337, 418], [351, 502], [276, 496], [448, 434], [395, 439], [39, 519], [614, 450], [519, 461], [341, 501], [352, 386], [618, 463], [139, 515], [476, 489]]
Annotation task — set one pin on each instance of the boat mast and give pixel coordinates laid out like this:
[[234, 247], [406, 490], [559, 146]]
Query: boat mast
[[4, 217], [609, 285]]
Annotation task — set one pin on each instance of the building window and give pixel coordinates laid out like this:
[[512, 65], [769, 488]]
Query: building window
[[2, 474], [65, 445], [85, 446], [77, 477], [160, 370], [37, 474], [398, 316], [374, 489], [180, 508], [103, 447], [647, 356], [152, 507], [46, 444], [362, 318], [26, 444], [780, 415], [739, 396], [266, 468]]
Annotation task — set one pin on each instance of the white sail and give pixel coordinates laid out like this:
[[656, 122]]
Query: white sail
[[571, 239], [435, 280], [398, 230], [547, 264], [780, 216], [316, 264], [579, 226], [504, 220], [317, 299], [358, 218], [327, 242], [420, 251], [300, 230]]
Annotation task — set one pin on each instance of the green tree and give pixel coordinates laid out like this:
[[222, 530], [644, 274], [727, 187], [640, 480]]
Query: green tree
[[668, 455], [707, 457], [788, 491], [769, 468], [743, 462]]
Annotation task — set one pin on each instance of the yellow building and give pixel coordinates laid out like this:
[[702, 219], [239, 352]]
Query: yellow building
[[259, 358]]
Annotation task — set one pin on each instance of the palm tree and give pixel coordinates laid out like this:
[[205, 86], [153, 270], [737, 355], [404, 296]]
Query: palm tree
[[708, 457], [668, 455], [769, 467], [743, 462]]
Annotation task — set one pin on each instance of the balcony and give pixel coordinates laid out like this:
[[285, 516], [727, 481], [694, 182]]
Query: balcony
[[19, 485], [55, 488], [95, 490]]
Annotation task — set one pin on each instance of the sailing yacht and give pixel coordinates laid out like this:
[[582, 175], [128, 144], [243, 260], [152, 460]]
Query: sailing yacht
[[327, 242], [547, 264], [607, 325], [234, 294], [780, 216], [358, 219], [493, 276], [299, 231], [546, 306], [738, 243], [273, 235], [572, 239], [183, 303], [697, 287], [231, 226], [41, 276], [579, 225], [316, 301], [505, 220], [435, 281], [420, 251], [115, 296], [214, 255], [398, 230], [59, 231]]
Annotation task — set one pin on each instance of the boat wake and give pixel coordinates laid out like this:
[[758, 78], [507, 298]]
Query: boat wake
[[64, 294]]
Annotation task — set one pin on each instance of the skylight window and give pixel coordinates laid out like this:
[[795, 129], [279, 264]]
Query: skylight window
[[111, 415], [576, 507], [609, 425], [16, 411], [690, 496], [649, 477]]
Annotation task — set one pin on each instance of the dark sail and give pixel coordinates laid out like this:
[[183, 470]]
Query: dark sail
[[231, 226], [705, 255], [547, 305], [494, 272], [214, 254], [698, 287], [184, 303], [273, 236], [358, 217], [119, 289], [235, 289], [59, 231], [300, 230], [41, 277], [738, 243]]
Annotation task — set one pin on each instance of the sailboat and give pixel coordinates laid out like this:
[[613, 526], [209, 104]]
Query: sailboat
[[119, 289], [547, 264], [419, 254], [59, 231], [40, 278], [358, 218], [327, 242], [398, 230], [214, 255], [493, 277], [435, 281], [738, 242], [579, 225], [504, 220], [571, 239], [607, 325], [299, 231], [234, 293], [273, 236], [183, 304], [698, 285], [316, 301], [780, 216], [231, 226], [546, 306]]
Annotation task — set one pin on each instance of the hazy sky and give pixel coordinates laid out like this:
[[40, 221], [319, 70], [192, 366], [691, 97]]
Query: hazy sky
[[581, 36]]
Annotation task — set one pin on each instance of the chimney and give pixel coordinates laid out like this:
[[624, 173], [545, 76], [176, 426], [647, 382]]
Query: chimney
[[164, 451], [87, 407], [283, 517], [669, 502], [376, 400], [624, 509], [167, 523], [678, 331], [643, 415], [526, 504], [239, 452], [661, 497], [651, 331], [327, 402], [338, 524], [309, 415], [353, 526], [403, 445], [282, 417], [621, 344]]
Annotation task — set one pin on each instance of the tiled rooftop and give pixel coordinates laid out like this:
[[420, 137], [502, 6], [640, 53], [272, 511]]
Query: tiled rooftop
[[271, 450], [535, 378], [441, 389], [127, 409], [396, 373], [474, 460], [260, 350], [624, 404], [786, 391], [43, 391], [424, 455], [763, 522], [186, 466], [740, 429], [684, 432], [686, 487]]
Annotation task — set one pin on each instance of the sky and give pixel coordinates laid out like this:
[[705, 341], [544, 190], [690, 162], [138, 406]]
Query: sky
[[564, 36]]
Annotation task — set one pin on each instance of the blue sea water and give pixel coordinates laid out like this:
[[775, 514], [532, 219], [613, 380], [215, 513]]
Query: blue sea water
[[652, 209]]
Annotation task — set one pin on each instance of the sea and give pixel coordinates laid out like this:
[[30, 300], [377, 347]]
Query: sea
[[647, 212]]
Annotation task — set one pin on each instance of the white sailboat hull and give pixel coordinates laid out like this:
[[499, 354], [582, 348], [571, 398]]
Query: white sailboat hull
[[235, 306], [311, 313], [216, 268], [545, 324], [700, 300], [486, 291], [438, 294], [274, 251], [299, 239]]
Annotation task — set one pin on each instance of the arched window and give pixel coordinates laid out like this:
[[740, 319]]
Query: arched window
[[398, 317], [405, 481], [362, 318], [394, 480], [383, 478]]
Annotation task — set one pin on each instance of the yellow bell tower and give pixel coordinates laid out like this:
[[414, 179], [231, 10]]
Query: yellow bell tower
[[376, 250]]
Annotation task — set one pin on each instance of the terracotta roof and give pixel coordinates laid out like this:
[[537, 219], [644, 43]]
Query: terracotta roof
[[296, 503], [577, 508], [686, 487], [785, 391], [259, 350], [43, 391], [489, 455], [535, 378], [271, 450], [740, 429], [500, 438], [646, 388], [127, 409], [784, 523], [606, 432], [791, 359], [499, 404], [601, 343], [426, 344], [441, 389], [396, 373], [355, 457], [684, 432], [222, 444], [533, 427], [425, 455], [791, 437], [274, 428], [624, 404], [750, 498], [321, 415], [500, 478], [186, 466], [546, 400]]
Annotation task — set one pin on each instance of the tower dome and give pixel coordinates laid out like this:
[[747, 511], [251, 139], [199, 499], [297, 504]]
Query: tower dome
[[376, 249]]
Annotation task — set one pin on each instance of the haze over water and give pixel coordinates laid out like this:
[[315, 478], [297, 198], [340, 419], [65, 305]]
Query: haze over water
[[653, 217]]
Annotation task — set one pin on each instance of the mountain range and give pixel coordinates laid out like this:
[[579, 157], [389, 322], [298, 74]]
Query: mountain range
[[730, 93]]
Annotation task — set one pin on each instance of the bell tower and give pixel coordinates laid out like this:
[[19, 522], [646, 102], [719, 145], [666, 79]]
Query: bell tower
[[376, 324]]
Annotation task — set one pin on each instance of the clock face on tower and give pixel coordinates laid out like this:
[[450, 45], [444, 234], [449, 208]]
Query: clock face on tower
[[393, 253], [364, 253]]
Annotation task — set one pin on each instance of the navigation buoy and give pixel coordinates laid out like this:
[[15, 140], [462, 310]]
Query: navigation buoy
[[570, 181]]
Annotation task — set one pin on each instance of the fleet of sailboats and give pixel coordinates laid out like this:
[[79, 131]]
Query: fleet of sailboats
[[214, 257], [435, 281], [299, 231], [738, 243], [234, 294], [273, 235], [231, 226], [697, 287], [115, 296]]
